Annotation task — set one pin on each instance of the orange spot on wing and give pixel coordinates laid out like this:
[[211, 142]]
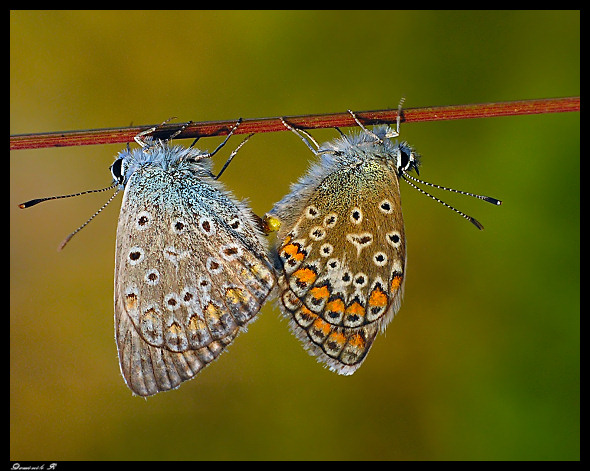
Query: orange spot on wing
[[355, 309], [396, 282], [307, 314], [320, 292], [322, 326], [305, 275], [299, 256], [212, 310], [292, 251], [336, 305], [337, 337], [131, 301], [378, 298], [306, 311], [357, 341]]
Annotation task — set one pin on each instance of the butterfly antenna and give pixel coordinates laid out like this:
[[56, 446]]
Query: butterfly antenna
[[68, 238], [30, 203], [474, 221], [489, 199]]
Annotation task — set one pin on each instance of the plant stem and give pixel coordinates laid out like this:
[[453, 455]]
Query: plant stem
[[262, 125]]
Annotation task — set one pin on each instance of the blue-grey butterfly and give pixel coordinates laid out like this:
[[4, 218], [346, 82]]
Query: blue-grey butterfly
[[191, 263]]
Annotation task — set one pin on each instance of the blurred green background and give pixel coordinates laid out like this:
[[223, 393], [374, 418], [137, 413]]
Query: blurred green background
[[481, 362]]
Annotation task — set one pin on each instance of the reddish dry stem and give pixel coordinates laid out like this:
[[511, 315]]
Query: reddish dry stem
[[262, 125]]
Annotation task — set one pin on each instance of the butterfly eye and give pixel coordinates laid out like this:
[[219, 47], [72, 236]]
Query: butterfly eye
[[405, 159], [116, 170]]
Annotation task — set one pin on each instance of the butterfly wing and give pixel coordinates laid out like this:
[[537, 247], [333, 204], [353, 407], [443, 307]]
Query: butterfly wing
[[191, 271], [342, 256]]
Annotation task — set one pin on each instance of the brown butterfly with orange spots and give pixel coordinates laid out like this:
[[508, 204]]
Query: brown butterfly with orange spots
[[341, 248]]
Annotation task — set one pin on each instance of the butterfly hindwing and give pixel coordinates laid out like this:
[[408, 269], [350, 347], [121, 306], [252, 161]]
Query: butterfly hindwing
[[342, 259], [191, 272]]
